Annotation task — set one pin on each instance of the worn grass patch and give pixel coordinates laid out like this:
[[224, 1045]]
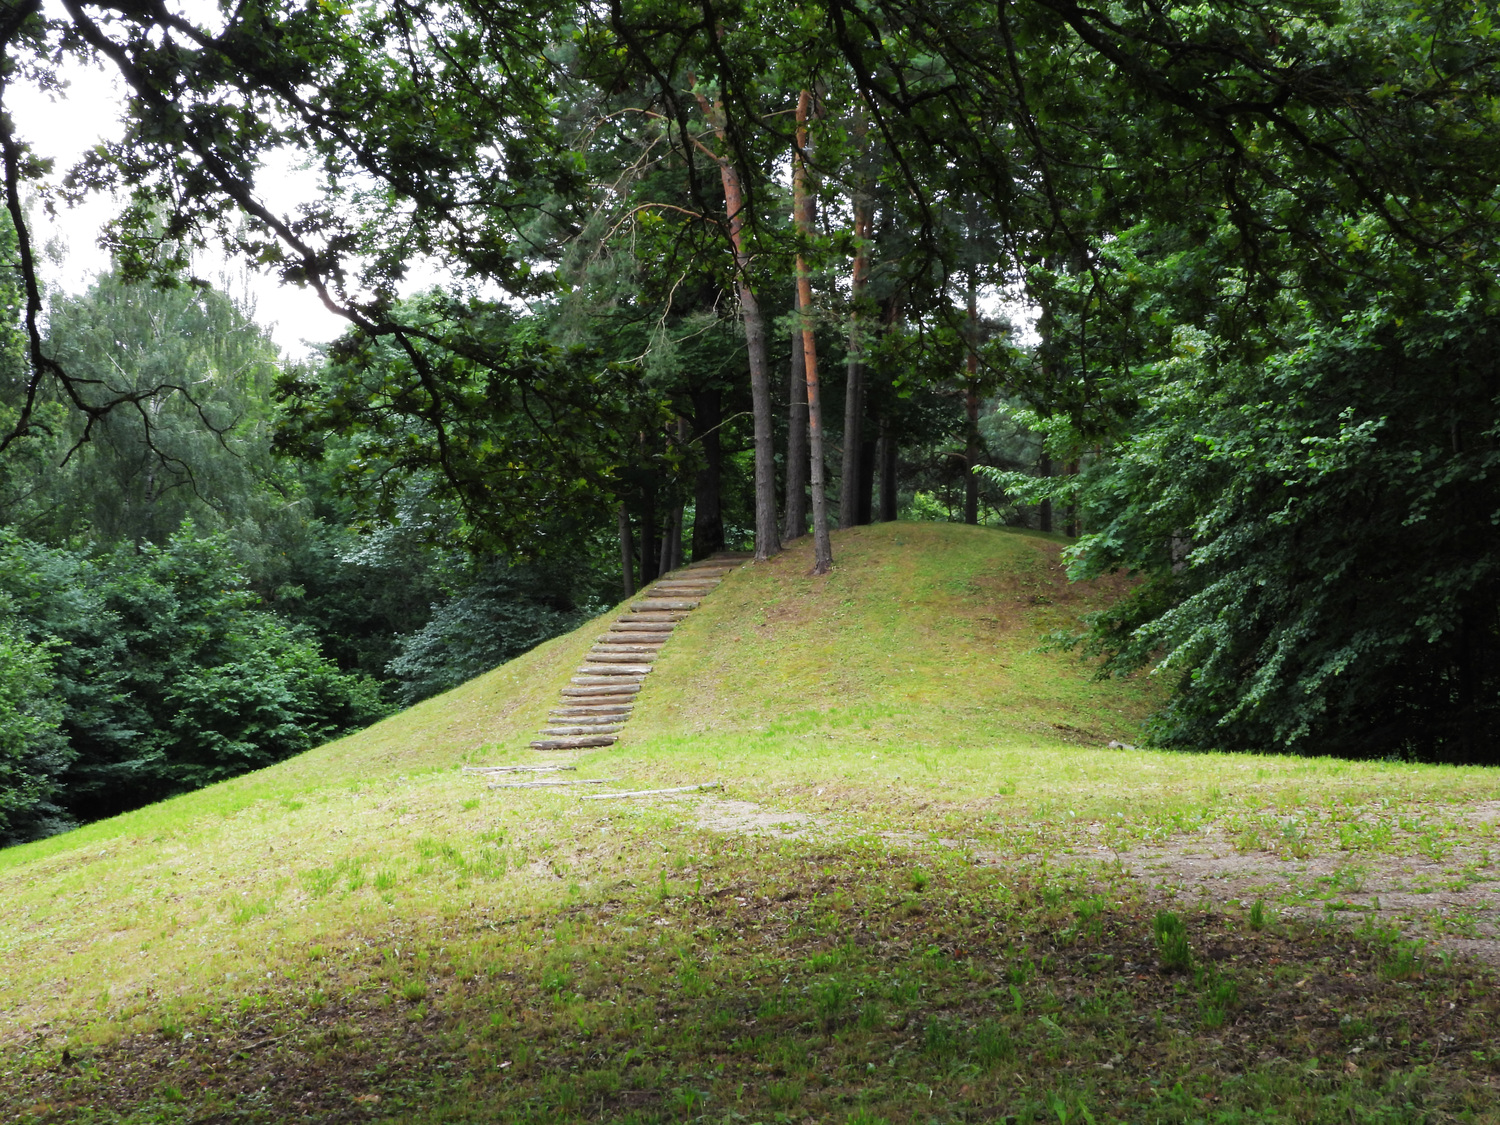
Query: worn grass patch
[[927, 891], [767, 981]]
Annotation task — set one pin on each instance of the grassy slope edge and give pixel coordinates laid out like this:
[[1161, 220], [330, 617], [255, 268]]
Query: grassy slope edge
[[925, 874]]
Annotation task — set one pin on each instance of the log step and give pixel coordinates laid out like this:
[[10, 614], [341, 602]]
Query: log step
[[610, 657], [599, 697], [573, 743]]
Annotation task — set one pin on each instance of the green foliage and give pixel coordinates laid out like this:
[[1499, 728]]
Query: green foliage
[[503, 613], [194, 442], [1317, 534], [166, 676], [32, 755], [519, 440]]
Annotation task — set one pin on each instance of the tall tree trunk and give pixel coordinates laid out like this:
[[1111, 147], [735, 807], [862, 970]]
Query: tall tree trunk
[[677, 517], [708, 512], [648, 519], [867, 454], [664, 558], [796, 439], [863, 204], [766, 541], [971, 408], [1044, 515], [887, 459], [803, 206], [627, 553], [1071, 527]]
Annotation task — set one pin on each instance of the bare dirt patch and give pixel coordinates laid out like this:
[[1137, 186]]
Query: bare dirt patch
[[749, 818]]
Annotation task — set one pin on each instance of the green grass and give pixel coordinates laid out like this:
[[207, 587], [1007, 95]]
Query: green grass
[[959, 917]]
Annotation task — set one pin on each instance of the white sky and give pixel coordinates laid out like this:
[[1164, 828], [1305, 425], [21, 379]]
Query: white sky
[[67, 127]]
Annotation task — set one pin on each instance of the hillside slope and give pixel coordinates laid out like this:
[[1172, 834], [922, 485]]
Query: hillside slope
[[368, 902]]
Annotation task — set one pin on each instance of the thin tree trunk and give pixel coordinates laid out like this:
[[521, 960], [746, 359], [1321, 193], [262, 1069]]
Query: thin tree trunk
[[803, 205], [796, 439], [854, 394], [867, 453], [677, 517], [887, 459], [971, 407], [664, 560], [648, 520], [1071, 527], [708, 512], [1044, 516], [766, 541], [627, 554]]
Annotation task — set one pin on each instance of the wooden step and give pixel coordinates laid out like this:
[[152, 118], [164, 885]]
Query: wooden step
[[580, 729], [707, 585], [607, 681], [654, 617], [599, 655], [636, 669], [583, 743], [589, 718], [614, 642], [598, 694], [662, 629], [659, 604], [622, 711]]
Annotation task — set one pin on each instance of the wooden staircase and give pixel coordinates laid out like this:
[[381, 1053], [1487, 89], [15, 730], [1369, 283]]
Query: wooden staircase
[[599, 699]]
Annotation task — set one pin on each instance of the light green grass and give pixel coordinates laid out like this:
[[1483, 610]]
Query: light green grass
[[904, 694]]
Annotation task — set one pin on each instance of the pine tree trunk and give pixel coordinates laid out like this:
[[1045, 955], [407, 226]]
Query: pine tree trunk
[[854, 393], [887, 459], [1044, 516], [648, 536], [708, 512], [766, 541], [796, 441], [803, 206], [864, 509], [971, 408], [627, 554]]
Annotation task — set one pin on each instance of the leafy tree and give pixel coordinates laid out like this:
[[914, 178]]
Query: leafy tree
[[164, 458], [1238, 498], [166, 674], [32, 755]]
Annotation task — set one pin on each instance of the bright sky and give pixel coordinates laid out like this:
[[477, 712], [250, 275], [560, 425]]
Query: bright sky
[[66, 128]]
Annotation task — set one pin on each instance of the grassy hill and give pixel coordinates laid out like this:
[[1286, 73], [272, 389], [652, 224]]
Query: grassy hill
[[927, 891]]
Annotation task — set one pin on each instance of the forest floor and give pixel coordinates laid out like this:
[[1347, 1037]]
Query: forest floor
[[928, 890]]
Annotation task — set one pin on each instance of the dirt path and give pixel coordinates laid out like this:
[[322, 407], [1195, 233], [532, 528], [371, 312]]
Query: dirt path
[[1452, 902]]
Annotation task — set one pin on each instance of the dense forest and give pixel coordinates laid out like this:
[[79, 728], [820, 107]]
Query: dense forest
[[1208, 287]]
